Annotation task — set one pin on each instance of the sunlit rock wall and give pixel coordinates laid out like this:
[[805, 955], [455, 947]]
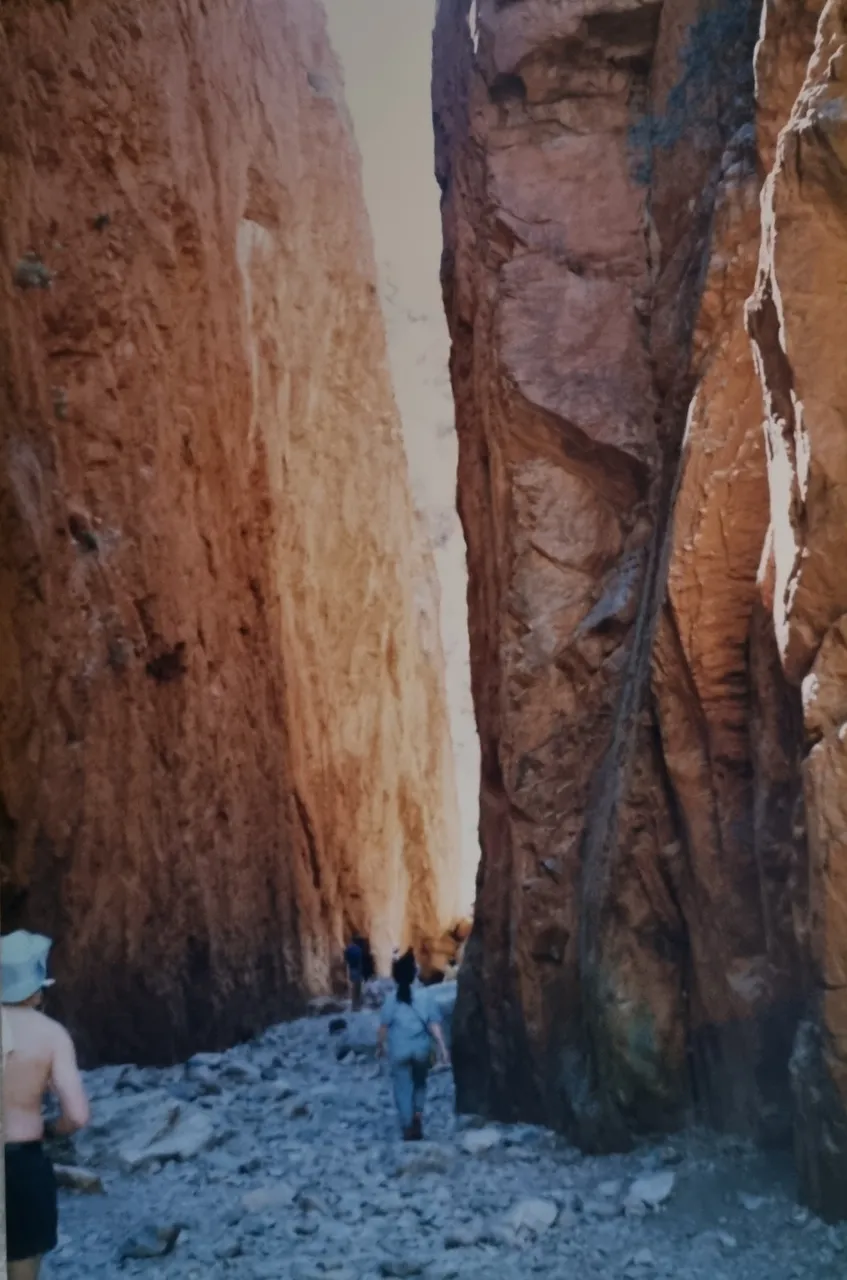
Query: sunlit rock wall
[[223, 728]]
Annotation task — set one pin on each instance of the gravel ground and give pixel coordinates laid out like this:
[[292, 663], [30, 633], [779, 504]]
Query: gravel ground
[[277, 1160]]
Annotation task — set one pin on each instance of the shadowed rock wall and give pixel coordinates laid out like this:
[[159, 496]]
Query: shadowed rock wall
[[640, 947], [796, 312]]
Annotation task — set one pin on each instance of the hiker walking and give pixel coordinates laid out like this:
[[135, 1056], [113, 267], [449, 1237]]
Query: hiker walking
[[354, 959], [368, 963], [38, 1055], [410, 1022]]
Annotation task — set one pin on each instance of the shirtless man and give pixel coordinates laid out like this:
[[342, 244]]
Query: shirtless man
[[38, 1055]]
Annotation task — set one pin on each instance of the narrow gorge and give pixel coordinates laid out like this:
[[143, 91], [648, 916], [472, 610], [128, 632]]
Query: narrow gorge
[[235, 724]]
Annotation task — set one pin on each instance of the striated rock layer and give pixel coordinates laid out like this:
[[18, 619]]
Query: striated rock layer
[[640, 620], [797, 321], [224, 737]]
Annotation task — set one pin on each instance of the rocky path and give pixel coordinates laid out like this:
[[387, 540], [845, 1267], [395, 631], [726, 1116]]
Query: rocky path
[[277, 1161]]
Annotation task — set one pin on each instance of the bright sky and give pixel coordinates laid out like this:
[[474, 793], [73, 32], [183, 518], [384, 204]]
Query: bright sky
[[385, 50]]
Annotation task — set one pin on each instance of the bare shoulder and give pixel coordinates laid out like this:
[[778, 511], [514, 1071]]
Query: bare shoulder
[[34, 1032], [53, 1031]]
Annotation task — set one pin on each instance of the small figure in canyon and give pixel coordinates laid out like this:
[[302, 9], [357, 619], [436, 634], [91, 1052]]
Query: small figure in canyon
[[368, 964], [38, 1056], [410, 1022], [353, 958]]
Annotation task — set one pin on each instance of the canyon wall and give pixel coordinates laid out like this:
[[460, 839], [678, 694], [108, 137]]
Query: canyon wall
[[795, 315], [223, 736], [652, 576]]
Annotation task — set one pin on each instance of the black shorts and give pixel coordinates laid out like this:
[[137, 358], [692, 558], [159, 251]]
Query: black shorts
[[31, 1204]]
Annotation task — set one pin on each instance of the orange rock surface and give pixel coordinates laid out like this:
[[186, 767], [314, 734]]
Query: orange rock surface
[[223, 737], [796, 321], [639, 947]]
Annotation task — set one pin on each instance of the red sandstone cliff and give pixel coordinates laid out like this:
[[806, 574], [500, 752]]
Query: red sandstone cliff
[[797, 321], [640, 945], [222, 736]]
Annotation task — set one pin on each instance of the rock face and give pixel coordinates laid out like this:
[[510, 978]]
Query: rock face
[[224, 737], [641, 615], [797, 310]]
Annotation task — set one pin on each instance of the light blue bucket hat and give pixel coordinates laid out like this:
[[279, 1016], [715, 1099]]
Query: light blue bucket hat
[[23, 966]]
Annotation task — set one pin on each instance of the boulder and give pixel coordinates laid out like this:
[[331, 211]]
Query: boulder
[[476, 1142], [191, 1133], [534, 1215], [650, 1191], [138, 1119], [151, 1240], [423, 1158], [279, 1195], [74, 1178]]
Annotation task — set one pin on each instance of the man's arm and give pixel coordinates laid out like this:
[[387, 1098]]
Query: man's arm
[[434, 1028], [438, 1036], [68, 1087], [384, 1022]]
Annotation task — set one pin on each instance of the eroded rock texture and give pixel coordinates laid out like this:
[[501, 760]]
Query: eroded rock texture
[[223, 731], [797, 311], [638, 948]]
